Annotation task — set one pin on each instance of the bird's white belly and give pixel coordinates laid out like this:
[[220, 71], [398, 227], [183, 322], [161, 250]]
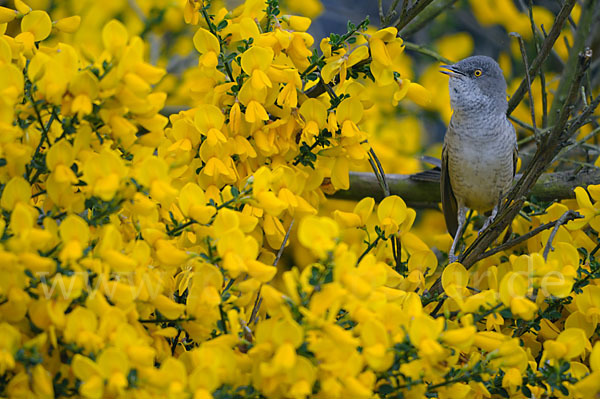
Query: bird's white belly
[[480, 172]]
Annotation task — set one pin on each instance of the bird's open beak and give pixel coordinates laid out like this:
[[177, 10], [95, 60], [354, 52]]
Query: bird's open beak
[[451, 71]]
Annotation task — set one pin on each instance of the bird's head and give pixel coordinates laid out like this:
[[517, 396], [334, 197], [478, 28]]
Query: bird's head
[[476, 83]]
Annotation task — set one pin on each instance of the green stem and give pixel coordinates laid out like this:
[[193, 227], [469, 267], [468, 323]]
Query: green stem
[[369, 248], [426, 51]]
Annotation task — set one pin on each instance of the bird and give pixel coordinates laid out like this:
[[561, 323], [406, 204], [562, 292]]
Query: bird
[[479, 155]]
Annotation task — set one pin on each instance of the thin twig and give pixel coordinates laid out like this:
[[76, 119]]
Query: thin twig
[[522, 238], [162, 320], [561, 220], [425, 16], [544, 99], [411, 13], [522, 124], [138, 11], [426, 51], [547, 45], [581, 142], [584, 117], [391, 11], [536, 39], [571, 67], [258, 300], [379, 171], [285, 240], [528, 78], [404, 8], [543, 85], [256, 306]]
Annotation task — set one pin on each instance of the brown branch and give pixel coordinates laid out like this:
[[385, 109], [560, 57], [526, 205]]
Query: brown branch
[[258, 300], [423, 18], [411, 13], [568, 215], [522, 238], [425, 192]]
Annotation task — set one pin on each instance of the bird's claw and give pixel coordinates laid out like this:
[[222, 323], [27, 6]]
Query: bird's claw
[[452, 258], [485, 226]]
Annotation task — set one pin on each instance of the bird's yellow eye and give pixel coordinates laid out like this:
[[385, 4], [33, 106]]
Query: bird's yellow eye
[[477, 72]]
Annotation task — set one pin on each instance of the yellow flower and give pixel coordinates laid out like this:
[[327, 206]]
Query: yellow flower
[[424, 332], [455, 47], [59, 159], [391, 212], [590, 212], [318, 234], [38, 24], [75, 234], [7, 15], [168, 308], [114, 37], [588, 303], [42, 383], [68, 24], [454, 280], [255, 62], [22, 7], [512, 379], [192, 203], [386, 52], [375, 342], [338, 64], [513, 288], [209, 121], [570, 343], [208, 46], [314, 114], [461, 338], [349, 113], [103, 173], [84, 88], [17, 190], [190, 13], [358, 217], [9, 344]]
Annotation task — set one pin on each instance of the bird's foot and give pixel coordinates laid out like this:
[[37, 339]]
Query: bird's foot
[[452, 258], [485, 225]]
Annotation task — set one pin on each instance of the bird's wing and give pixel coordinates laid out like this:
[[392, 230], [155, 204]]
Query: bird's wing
[[515, 151], [430, 175], [431, 160], [515, 160], [449, 205]]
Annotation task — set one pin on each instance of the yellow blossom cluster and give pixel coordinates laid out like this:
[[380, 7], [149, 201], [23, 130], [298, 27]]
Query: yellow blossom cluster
[[139, 253]]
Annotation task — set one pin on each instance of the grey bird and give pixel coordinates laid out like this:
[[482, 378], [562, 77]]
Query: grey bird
[[480, 147]]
